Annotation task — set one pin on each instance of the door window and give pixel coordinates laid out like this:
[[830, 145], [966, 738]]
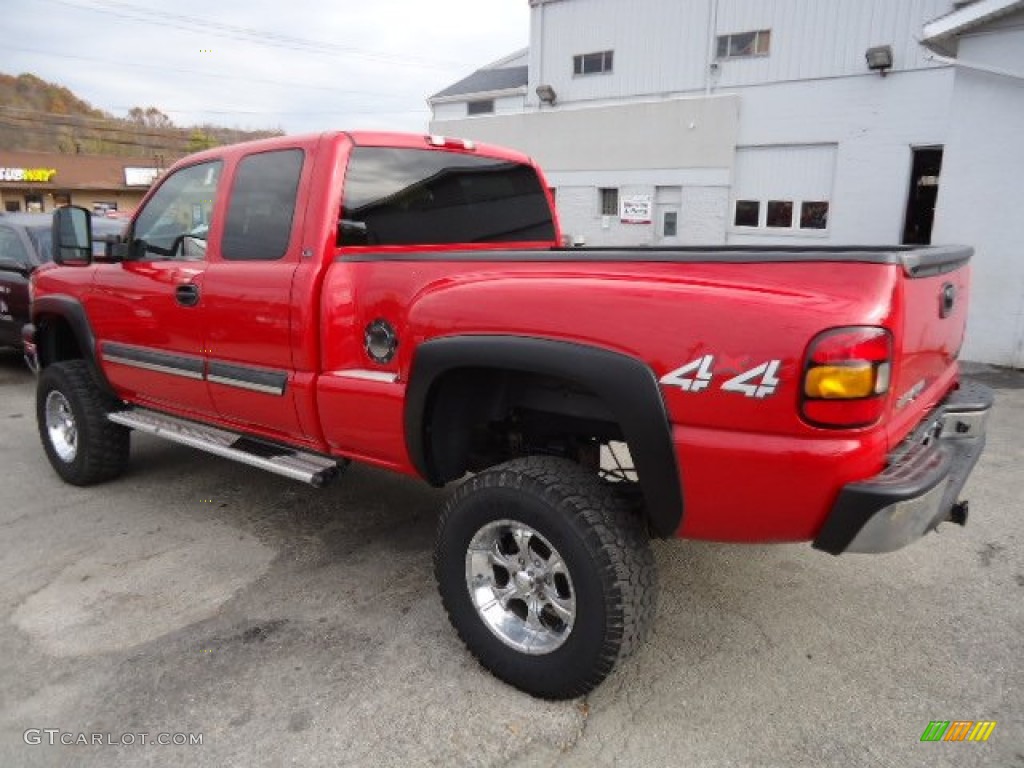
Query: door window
[[175, 222], [670, 224], [262, 205]]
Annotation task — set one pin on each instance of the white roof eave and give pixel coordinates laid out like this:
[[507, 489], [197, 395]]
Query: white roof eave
[[940, 35]]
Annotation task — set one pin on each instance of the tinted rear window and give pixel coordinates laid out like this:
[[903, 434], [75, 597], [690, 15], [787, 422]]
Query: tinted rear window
[[426, 197]]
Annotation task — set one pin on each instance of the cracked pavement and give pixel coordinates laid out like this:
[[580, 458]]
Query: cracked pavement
[[296, 626]]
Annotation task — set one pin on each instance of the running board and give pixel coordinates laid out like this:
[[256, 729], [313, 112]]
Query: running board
[[309, 468]]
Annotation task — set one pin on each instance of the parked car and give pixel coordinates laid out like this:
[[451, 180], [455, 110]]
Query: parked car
[[305, 301], [25, 244]]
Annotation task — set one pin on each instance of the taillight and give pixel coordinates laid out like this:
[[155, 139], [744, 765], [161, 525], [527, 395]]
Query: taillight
[[846, 376]]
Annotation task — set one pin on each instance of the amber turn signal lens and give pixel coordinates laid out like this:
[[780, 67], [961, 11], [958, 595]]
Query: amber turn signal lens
[[840, 382]]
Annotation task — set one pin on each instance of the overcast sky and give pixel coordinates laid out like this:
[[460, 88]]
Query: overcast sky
[[299, 65]]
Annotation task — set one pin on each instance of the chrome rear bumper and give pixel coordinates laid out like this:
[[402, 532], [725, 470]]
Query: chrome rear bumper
[[920, 486]]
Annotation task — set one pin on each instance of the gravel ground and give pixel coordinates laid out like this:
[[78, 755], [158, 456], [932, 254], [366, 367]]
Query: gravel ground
[[291, 626]]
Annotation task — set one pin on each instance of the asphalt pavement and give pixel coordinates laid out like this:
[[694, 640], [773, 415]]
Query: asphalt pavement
[[283, 625]]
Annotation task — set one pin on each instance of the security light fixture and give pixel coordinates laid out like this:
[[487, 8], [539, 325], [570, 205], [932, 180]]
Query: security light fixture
[[879, 58], [546, 94]]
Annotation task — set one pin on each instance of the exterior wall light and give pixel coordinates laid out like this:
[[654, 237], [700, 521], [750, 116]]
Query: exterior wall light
[[546, 94], [879, 58]]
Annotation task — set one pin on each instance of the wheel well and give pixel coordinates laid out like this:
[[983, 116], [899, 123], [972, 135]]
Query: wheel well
[[56, 340], [476, 400], [479, 417]]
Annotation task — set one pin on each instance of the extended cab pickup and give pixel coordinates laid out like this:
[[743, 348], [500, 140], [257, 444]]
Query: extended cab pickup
[[400, 300]]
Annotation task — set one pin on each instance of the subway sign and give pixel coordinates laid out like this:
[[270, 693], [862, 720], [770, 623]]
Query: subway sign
[[27, 174]]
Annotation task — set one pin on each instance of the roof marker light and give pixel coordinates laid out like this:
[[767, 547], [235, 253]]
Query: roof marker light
[[450, 143]]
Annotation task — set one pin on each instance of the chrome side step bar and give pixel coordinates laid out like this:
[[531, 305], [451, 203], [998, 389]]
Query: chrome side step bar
[[308, 468]]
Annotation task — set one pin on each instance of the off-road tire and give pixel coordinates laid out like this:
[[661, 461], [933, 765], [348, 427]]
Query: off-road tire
[[602, 542], [101, 450]]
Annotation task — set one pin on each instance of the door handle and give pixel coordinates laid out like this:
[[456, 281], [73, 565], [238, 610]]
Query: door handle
[[187, 295]]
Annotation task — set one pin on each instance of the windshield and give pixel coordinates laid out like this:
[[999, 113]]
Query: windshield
[[41, 238]]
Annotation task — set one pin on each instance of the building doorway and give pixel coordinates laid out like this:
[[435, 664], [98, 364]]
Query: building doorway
[[924, 189]]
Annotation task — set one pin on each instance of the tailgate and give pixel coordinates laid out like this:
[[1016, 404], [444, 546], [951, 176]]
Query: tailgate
[[932, 306]]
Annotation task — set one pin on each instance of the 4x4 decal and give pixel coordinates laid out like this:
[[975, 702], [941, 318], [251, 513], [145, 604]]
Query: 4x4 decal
[[757, 382], [692, 377]]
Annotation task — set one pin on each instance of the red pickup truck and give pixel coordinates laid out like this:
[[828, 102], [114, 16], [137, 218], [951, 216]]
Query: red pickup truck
[[401, 300]]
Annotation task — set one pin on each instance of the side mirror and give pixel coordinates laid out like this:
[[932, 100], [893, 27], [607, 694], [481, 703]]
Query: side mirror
[[72, 236]]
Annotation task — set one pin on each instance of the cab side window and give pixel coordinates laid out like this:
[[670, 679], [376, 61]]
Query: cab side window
[[175, 222], [258, 226], [11, 248]]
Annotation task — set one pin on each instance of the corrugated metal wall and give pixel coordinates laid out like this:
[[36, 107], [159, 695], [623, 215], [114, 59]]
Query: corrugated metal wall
[[664, 46], [824, 38]]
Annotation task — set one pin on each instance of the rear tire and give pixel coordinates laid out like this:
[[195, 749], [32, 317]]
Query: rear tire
[[71, 411], [546, 575]]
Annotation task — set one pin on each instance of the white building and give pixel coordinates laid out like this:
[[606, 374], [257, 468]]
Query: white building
[[749, 122], [980, 197]]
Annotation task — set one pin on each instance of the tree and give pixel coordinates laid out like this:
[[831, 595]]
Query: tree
[[150, 117], [199, 140]]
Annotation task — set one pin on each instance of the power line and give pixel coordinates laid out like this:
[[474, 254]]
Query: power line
[[60, 134], [201, 111], [112, 124], [204, 73], [244, 34], [101, 122]]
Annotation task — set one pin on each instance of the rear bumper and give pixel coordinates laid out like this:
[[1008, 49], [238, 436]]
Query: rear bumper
[[920, 487]]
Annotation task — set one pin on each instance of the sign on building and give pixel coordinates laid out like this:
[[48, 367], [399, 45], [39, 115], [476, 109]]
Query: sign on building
[[27, 174], [635, 209], [140, 177]]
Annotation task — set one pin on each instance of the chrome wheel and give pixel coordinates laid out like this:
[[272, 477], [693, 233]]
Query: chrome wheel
[[60, 426], [521, 587]]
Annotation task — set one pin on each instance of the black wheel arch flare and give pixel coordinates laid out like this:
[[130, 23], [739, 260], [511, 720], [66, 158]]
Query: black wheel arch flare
[[625, 384], [70, 309]]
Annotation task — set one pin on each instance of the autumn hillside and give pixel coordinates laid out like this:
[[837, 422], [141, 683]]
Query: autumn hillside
[[42, 116]]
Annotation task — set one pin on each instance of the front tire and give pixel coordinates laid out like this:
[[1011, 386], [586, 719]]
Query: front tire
[[83, 446], [546, 574]]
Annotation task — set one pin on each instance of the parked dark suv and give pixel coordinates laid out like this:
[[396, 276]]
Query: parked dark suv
[[25, 243]]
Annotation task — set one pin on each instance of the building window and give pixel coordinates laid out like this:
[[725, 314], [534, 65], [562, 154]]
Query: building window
[[592, 63], [744, 44], [779, 214], [609, 202], [670, 224], [12, 206], [480, 107], [748, 213], [814, 215]]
